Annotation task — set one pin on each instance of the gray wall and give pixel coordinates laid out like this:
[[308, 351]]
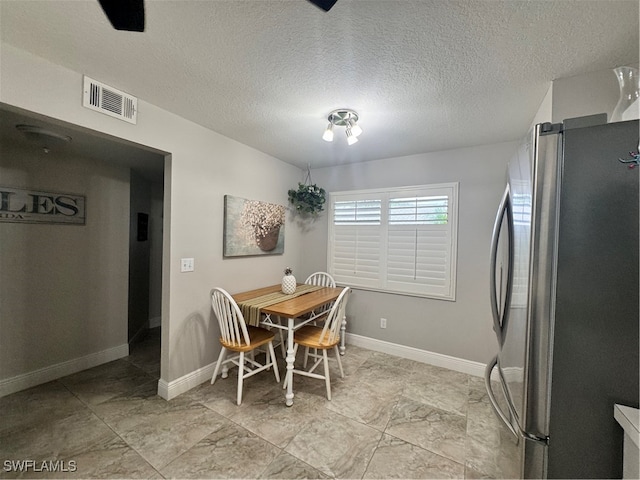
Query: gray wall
[[588, 94], [462, 328], [63, 288], [202, 167], [155, 253], [139, 257]]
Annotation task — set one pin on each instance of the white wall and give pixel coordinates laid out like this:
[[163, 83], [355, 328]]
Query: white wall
[[588, 94], [155, 256], [462, 328], [545, 111], [202, 168], [63, 288]]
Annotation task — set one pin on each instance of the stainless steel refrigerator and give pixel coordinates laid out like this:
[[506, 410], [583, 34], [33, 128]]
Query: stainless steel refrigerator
[[565, 297]]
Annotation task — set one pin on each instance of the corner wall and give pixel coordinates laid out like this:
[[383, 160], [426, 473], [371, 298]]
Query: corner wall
[[155, 255], [460, 329], [588, 94]]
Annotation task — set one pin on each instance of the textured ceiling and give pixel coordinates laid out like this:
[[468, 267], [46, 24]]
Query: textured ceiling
[[423, 75]]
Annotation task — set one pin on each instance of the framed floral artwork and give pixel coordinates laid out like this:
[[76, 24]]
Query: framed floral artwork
[[252, 227]]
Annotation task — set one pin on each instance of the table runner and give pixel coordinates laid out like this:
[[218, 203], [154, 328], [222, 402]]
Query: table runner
[[251, 308]]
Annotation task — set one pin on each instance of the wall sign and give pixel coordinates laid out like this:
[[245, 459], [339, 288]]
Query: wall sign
[[29, 206]]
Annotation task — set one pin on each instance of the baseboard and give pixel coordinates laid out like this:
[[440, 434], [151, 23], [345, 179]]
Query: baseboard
[[155, 322], [437, 359], [59, 370], [169, 390]]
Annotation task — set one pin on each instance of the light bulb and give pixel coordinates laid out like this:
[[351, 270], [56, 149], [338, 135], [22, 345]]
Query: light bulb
[[351, 138], [328, 133], [355, 128]]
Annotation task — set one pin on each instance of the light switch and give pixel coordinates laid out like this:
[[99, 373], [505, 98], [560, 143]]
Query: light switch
[[186, 265]]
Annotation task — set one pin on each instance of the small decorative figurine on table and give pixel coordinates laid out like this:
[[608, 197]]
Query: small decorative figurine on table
[[288, 282]]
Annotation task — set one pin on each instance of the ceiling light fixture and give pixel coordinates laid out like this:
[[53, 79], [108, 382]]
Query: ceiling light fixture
[[355, 128], [328, 133], [43, 137], [351, 138], [343, 118]]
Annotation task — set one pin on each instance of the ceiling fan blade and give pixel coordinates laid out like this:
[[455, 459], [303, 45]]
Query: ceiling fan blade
[[125, 14], [324, 4]]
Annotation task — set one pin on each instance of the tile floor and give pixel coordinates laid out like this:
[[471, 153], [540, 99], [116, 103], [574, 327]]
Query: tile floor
[[389, 418]]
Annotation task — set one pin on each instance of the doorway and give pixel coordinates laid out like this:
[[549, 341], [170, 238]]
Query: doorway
[[64, 287]]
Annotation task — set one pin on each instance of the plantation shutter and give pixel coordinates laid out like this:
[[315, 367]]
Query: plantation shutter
[[356, 242], [419, 244], [396, 240]]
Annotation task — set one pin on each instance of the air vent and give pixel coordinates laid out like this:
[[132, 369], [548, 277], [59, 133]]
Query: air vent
[[110, 101]]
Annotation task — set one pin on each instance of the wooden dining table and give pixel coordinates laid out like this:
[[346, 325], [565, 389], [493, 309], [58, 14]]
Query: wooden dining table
[[295, 308]]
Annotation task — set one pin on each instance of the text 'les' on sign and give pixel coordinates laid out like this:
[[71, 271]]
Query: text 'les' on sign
[[29, 206]]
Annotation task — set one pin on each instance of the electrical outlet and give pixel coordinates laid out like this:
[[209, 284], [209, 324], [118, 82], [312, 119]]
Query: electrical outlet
[[186, 264], [383, 323]]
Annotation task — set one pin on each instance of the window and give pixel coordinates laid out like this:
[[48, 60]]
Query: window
[[400, 240]]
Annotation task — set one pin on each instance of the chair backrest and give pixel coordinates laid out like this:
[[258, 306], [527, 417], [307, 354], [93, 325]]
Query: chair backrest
[[233, 328], [322, 279], [331, 330]]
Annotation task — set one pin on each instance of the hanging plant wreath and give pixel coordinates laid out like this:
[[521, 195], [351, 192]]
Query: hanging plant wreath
[[309, 198]]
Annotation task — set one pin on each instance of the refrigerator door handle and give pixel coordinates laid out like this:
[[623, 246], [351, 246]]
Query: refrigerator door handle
[[500, 318], [492, 398], [519, 432]]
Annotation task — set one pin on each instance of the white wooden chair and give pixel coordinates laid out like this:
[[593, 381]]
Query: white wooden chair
[[322, 338], [237, 336], [322, 279]]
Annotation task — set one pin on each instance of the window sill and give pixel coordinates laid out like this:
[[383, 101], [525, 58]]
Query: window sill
[[396, 292]]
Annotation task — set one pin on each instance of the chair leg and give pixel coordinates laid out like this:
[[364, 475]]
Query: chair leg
[[339, 361], [225, 370], [327, 379], [223, 353], [267, 360], [240, 376], [274, 361]]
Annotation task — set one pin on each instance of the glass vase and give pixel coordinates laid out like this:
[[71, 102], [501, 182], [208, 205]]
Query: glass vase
[[627, 107]]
